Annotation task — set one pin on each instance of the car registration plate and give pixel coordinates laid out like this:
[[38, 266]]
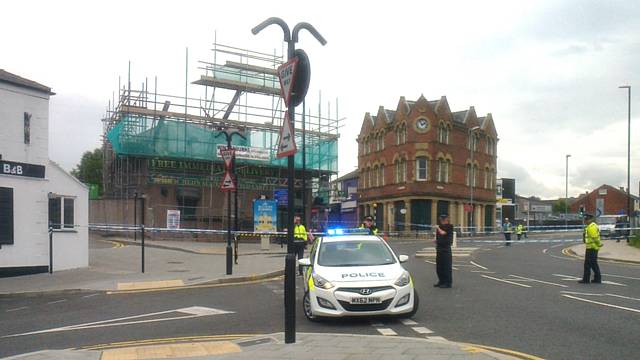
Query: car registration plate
[[365, 300]]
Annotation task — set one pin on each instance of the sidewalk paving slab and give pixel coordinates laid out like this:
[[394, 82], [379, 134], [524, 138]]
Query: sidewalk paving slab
[[611, 250], [308, 346], [114, 268]]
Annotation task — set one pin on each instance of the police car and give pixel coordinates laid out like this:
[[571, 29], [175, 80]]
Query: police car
[[351, 273]]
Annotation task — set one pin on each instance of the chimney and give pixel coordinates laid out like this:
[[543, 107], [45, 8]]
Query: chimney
[[622, 189]]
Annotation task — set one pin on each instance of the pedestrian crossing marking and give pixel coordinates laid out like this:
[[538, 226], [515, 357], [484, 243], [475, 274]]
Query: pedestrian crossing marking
[[409, 322], [422, 330], [386, 332]]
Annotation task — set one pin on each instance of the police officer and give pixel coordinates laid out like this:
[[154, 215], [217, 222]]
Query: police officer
[[591, 238], [507, 229], [444, 239], [368, 224], [519, 231], [299, 239]]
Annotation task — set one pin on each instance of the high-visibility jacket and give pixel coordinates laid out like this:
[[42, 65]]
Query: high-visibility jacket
[[373, 230], [300, 232], [506, 227], [591, 236], [519, 229]]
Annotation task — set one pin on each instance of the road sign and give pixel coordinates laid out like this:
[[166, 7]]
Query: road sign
[[287, 141], [227, 182], [287, 75], [303, 77], [227, 156]]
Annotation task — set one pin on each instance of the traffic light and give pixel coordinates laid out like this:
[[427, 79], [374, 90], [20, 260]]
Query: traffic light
[[581, 212]]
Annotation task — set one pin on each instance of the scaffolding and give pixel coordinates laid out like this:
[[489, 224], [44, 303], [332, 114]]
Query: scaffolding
[[238, 89]]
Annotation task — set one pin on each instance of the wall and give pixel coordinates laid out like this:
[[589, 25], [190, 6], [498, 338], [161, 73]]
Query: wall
[[14, 102], [614, 201]]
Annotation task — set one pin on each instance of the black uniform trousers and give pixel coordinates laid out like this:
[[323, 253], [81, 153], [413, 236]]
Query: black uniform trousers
[[298, 249], [444, 262], [591, 263], [507, 238]]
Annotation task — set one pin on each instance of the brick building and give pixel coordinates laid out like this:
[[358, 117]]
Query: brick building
[[608, 199], [415, 163]]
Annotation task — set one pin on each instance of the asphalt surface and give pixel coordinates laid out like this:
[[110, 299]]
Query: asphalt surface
[[548, 314]]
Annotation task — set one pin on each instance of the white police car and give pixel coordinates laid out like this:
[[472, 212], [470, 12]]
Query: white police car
[[356, 274]]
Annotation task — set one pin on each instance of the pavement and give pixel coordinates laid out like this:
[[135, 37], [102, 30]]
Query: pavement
[[116, 265], [612, 250], [308, 346]]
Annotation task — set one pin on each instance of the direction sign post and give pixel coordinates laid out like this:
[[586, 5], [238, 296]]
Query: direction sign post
[[288, 72], [229, 185]]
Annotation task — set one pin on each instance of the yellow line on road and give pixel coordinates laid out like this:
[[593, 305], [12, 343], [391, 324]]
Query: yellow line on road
[[143, 285], [183, 339], [187, 287], [517, 354], [116, 244]]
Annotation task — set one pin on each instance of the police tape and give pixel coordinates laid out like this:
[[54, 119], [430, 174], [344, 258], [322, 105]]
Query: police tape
[[515, 241]]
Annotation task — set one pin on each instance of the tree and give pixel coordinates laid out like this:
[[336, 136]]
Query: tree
[[560, 206], [89, 170]]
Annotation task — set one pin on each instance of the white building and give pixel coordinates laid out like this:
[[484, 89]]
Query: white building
[[35, 191]]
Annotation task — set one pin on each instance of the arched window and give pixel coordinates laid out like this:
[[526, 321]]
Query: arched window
[[442, 173], [443, 133], [422, 168], [382, 175], [375, 176], [468, 175]]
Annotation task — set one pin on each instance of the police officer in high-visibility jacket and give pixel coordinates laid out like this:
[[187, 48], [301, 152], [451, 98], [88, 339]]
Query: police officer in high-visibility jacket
[[591, 238], [519, 231], [299, 239], [368, 224]]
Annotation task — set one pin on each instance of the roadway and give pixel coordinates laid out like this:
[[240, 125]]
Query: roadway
[[524, 297]]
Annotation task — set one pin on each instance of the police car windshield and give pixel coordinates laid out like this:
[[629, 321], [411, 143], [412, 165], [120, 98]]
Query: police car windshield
[[354, 253]]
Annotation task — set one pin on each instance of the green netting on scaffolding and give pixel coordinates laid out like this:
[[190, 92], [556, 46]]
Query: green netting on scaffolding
[[164, 138]]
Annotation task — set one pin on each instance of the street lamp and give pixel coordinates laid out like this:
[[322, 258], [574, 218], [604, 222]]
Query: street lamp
[[566, 191], [291, 38], [472, 173], [628, 87]]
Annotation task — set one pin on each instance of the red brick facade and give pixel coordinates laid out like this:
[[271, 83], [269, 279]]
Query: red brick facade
[[396, 149], [614, 201]]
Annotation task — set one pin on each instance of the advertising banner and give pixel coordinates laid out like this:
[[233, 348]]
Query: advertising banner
[[265, 215]]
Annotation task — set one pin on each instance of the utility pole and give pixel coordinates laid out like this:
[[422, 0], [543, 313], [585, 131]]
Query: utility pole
[[628, 87], [291, 38], [566, 192]]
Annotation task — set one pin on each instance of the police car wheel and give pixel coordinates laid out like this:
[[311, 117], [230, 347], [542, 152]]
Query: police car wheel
[[416, 304], [306, 307]]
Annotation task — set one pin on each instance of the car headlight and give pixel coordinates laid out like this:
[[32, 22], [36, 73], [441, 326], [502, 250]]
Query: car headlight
[[321, 282], [403, 280]]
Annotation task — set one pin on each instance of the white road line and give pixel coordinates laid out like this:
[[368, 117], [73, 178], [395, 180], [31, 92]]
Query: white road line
[[17, 309], [567, 277], [581, 293], [623, 297], [483, 271], [544, 251], [478, 265], [56, 302], [437, 338], [622, 277], [613, 283], [90, 295], [386, 331], [422, 330], [408, 322], [539, 281], [377, 324], [505, 281], [601, 303], [430, 262]]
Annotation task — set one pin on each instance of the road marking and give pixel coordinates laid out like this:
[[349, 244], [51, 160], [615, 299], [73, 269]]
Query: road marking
[[377, 324], [430, 262], [386, 331], [56, 302], [623, 297], [191, 312], [567, 277], [437, 338], [622, 277], [512, 353], [612, 283], [113, 345], [544, 251], [142, 285], [422, 330], [505, 281], [483, 271], [478, 265], [90, 295], [601, 303], [408, 322], [539, 281], [18, 309]]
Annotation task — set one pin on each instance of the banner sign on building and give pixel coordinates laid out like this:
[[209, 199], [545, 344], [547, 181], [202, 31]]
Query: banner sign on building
[[265, 215], [281, 196], [173, 219], [247, 152], [21, 169]]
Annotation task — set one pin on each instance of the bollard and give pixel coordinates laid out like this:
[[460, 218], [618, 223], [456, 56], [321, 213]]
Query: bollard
[[50, 249], [455, 240], [290, 298], [142, 243]]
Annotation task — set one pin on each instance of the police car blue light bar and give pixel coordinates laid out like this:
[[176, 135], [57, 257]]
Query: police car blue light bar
[[338, 232]]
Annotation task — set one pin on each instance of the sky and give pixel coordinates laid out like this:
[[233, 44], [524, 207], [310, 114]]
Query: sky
[[547, 71]]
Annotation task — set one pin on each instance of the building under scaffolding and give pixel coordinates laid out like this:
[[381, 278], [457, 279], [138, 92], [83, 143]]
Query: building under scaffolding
[[165, 148]]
